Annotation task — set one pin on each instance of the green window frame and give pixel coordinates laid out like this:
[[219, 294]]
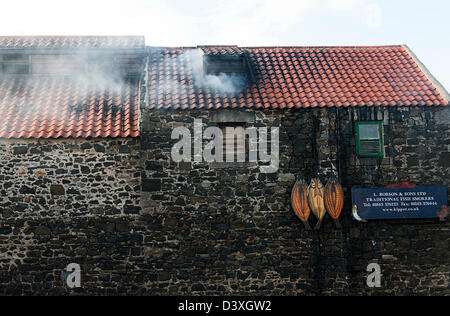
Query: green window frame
[[369, 139]]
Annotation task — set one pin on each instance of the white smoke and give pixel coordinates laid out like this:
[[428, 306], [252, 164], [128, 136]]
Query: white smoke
[[91, 72], [222, 83], [86, 79]]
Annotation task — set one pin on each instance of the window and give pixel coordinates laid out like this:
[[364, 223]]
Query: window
[[14, 64], [369, 139]]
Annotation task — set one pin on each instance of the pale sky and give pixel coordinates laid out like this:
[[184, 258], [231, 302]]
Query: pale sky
[[423, 25]]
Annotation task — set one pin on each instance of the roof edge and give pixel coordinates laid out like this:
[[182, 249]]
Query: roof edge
[[139, 39], [276, 47], [440, 88]]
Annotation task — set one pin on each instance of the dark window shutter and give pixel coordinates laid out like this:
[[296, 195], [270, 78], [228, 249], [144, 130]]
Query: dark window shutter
[[369, 147]]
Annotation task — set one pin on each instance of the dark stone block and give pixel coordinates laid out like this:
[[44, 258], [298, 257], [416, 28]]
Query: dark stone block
[[5, 230], [131, 209], [99, 148], [198, 287], [20, 207], [85, 169], [42, 230], [444, 160], [86, 146], [35, 151], [151, 165], [412, 161], [151, 185], [124, 149], [186, 166], [21, 150], [60, 171], [57, 189], [122, 226], [27, 190]]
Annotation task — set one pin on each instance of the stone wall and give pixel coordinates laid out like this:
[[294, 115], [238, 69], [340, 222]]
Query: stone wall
[[197, 228], [233, 226], [56, 197]]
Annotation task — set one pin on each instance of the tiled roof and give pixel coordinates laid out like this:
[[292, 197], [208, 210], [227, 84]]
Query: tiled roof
[[52, 106], [76, 104], [71, 42], [221, 50], [296, 77]]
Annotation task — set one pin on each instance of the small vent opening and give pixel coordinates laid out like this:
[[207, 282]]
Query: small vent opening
[[14, 64], [227, 73], [125, 65], [56, 64], [225, 64]]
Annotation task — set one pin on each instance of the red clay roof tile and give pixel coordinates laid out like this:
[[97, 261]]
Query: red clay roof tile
[[300, 77], [52, 107], [34, 106]]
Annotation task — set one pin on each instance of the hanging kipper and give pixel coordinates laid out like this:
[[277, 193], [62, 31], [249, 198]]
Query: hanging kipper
[[299, 201], [315, 200], [334, 200]]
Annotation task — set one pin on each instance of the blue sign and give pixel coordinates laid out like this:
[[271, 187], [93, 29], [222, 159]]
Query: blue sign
[[399, 203]]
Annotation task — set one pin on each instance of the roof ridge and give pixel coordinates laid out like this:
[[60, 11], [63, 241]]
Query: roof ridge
[[218, 46], [28, 42], [277, 46], [325, 46], [67, 36]]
